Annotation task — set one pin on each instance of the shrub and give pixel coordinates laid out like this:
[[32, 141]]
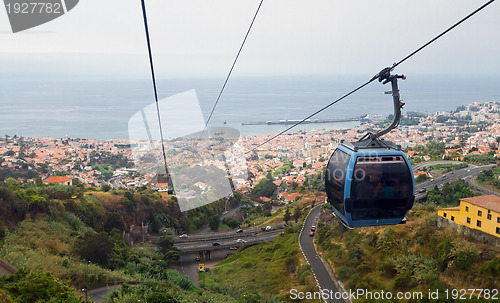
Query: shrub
[[465, 259], [303, 272]]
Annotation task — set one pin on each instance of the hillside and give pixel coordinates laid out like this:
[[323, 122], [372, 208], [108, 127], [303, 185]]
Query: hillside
[[67, 238], [416, 256]]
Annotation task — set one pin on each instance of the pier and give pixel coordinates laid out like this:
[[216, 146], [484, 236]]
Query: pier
[[308, 121]]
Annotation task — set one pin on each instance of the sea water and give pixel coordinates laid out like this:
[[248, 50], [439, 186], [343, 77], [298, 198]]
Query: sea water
[[101, 109]]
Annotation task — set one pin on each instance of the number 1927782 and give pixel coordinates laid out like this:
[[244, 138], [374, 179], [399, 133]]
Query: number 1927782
[[34, 8]]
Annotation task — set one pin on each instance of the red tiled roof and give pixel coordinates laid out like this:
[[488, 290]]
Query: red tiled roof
[[491, 202], [57, 179]]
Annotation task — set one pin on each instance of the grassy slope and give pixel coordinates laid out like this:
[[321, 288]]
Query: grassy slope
[[267, 271], [45, 242], [414, 256]]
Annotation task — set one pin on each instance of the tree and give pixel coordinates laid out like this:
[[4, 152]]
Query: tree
[[106, 187], [231, 222], [214, 222], [95, 248], [286, 216], [297, 213], [265, 188], [167, 250], [114, 220], [38, 287]]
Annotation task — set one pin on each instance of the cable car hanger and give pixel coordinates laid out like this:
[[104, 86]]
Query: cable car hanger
[[373, 139]]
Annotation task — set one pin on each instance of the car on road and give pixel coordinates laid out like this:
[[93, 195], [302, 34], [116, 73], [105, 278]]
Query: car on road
[[313, 228], [233, 248], [239, 230], [268, 228], [422, 190], [197, 259], [311, 234], [241, 241], [444, 176], [215, 244], [183, 236]]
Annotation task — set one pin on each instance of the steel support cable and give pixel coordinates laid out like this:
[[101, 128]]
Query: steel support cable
[[232, 67], [443, 33], [312, 115], [154, 85], [381, 75]]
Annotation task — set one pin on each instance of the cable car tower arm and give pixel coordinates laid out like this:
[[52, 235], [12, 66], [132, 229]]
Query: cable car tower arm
[[385, 77], [398, 105]]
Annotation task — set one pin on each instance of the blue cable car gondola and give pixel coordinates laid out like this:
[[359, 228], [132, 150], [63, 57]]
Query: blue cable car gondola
[[370, 182]]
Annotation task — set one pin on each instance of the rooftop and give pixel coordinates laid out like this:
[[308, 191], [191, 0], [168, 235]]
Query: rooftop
[[491, 202]]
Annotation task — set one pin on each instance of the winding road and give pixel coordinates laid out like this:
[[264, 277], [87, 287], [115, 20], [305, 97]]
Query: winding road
[[320, 270]]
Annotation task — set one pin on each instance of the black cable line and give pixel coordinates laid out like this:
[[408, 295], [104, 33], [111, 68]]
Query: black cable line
[[443, 33], [154, 85], [232, 67], [312, 115], [381, 75]]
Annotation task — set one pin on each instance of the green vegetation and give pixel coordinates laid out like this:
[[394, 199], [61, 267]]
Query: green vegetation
[[27, 287], [490, 177], [433, 149], [264, 272], [287, 166], [68, 233], [417, 256], [410, 118], [450, 194], [265, 188], [480, 159], [449, 166]]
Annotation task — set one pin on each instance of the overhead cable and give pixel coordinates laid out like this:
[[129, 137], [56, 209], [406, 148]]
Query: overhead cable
[[232, 67], [381, 75]]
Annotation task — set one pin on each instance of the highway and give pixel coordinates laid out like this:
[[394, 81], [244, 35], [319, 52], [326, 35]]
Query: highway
[[226, 241], [323, 278], [466, 174]]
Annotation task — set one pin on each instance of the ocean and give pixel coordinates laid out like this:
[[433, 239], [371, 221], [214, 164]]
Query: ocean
[[101, 109]]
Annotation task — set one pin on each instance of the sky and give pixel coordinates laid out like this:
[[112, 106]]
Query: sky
[[196, 38]]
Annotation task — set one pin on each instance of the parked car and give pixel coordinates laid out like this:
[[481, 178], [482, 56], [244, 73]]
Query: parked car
[[311, 234], [197, 259], [215, 244], [313, 228]]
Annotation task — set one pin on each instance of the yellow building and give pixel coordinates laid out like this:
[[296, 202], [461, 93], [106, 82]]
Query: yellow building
[[481, 213]]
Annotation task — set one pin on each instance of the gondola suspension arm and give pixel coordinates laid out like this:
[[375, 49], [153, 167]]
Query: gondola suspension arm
[[385, 77]]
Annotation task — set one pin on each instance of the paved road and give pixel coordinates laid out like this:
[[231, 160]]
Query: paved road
[[6, 268], [466, 174], [224, 235], [319, 269], [225, 243], [98, 295]]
